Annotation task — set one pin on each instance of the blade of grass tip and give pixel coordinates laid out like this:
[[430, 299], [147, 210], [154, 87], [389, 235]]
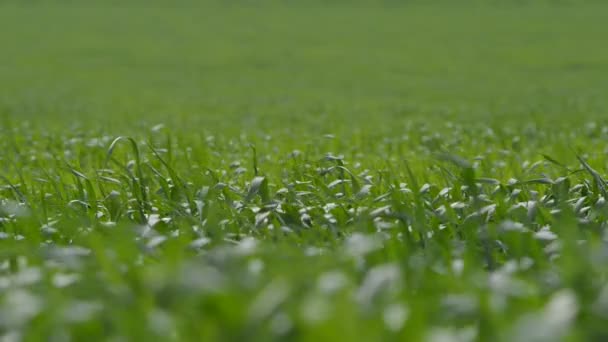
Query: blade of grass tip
[[339, 166], [139, 173], [176, 180], [576, 171], [212, 174], [135, 188], [91, 197], [555, 162], [44, 207], [468, 174], [79, 187], [161, 179], [14, 188], [255, 159], [169, 148], [454, 159], [22, 181], [342, 175], [544, 181], [259, 185], [354, 182], [486, 180], [601, 183], [447, 174], [169, 169], [48, 176], [134, 147], [419, 209]]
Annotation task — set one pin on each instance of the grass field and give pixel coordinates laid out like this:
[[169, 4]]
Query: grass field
[[357, 171]]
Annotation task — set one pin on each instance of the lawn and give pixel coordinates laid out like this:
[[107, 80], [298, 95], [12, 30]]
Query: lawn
[[324, 170]]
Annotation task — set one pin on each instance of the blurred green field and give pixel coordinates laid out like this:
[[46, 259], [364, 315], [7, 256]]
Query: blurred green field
[[328, 170], [256, 64]]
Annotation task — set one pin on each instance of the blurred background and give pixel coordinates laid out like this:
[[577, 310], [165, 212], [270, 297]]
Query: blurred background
[[326, 64]]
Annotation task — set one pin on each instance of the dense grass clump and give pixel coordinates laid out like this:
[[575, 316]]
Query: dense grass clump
[[303, 172]]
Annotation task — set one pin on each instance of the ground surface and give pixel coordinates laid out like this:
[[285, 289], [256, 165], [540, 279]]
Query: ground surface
[[307, 172]]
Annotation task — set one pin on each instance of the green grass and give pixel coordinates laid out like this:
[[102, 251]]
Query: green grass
[[342, 171]]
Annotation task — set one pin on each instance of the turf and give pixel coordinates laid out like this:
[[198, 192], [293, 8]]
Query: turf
[[320, 171]]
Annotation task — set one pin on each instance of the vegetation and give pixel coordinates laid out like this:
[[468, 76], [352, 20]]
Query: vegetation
[[277, 171]]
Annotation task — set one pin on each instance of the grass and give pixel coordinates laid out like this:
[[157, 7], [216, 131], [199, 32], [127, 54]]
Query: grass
[[352, 171]]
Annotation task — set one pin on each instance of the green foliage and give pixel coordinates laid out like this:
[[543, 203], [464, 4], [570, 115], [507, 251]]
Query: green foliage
[[320, 172]]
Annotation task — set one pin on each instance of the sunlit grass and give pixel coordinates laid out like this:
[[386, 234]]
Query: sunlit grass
[[303, 173]]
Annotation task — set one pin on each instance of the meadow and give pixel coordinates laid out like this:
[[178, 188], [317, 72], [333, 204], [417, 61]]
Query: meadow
[[315, 171]]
